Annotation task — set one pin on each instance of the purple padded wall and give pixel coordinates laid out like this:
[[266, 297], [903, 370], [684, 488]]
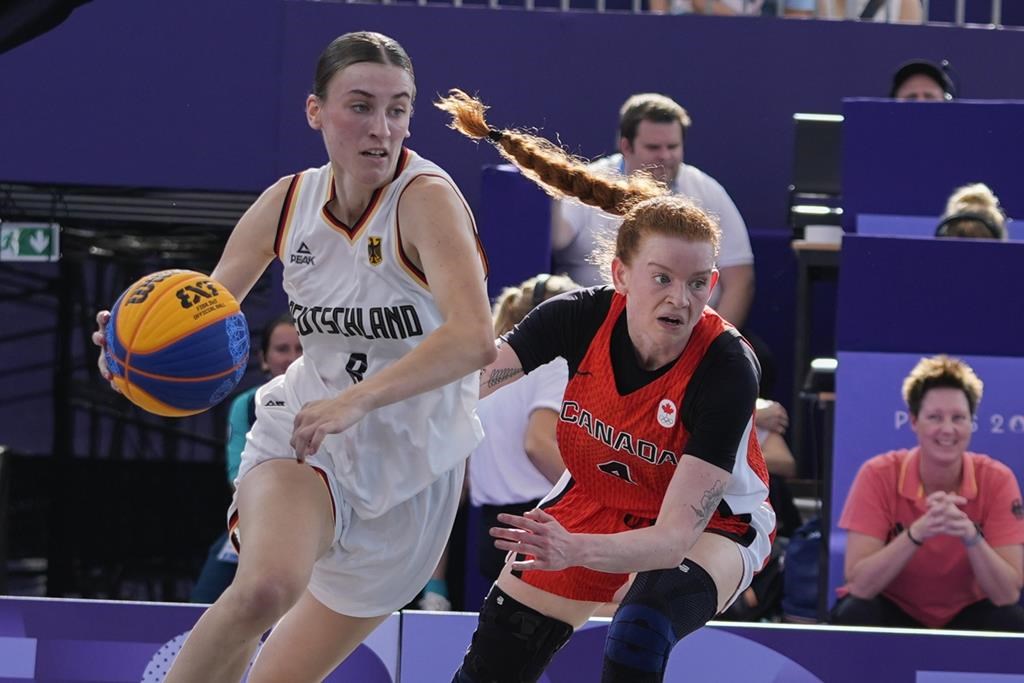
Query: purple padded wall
[[908, 157]]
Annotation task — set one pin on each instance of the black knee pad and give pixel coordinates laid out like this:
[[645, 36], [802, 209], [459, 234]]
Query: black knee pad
[[660, 608], [513, 643]]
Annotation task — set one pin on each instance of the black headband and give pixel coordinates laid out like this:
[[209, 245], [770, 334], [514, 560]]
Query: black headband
[[540, 289], [944, 225], [495, 135]]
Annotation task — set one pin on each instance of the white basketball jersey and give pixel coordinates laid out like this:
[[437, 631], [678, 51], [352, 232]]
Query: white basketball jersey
[[359, 304]]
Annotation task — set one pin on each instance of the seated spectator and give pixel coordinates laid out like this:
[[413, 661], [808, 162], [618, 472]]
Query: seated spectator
[[771, 421], [922, 81], [652, 130], [279, 346], [936, 533], [793, 8], [907, 11], [720, 7], [973, 211], [518, 461]]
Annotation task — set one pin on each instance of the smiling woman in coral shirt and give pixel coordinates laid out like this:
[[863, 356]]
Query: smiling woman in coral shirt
[[936, 533]]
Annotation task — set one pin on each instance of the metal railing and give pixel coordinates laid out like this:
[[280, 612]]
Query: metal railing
[[887, 10]]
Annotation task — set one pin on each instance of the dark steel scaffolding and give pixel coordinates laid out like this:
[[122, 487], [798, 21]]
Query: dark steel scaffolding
[[125, 503]]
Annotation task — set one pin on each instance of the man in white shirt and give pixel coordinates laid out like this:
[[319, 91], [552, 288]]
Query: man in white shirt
[[652, 129]]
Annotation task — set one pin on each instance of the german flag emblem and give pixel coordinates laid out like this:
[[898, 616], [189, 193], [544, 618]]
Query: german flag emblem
[[375, 254]]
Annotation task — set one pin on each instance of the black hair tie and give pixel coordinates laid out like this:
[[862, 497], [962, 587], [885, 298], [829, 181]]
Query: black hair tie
[[948, 221], [495, 135]]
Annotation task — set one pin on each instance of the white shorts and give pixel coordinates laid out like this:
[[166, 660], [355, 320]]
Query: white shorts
[[374, 566], [756, 554]]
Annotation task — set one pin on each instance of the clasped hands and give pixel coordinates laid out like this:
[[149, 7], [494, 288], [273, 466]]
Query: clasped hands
[[944, 516]]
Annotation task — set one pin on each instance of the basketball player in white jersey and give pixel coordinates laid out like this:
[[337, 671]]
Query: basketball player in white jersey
[[385, 279]]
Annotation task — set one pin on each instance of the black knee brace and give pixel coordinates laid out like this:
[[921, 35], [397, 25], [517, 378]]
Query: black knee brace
[[660, 608], [513, 643]]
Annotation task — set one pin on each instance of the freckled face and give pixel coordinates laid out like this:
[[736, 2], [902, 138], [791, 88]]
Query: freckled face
[[667, 284]]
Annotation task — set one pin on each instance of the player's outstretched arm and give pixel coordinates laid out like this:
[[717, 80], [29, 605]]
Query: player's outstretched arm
[[505, 369], [250, 247], [693, 496]]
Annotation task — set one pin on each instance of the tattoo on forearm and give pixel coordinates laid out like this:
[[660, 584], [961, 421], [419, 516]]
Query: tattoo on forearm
[[498, 376], [708, 504]]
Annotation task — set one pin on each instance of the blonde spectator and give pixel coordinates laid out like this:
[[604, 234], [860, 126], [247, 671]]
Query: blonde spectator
[[973, 211]]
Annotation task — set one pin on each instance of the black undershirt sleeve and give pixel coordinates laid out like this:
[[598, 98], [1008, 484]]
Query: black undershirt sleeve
[[561, 326], [719, 402]]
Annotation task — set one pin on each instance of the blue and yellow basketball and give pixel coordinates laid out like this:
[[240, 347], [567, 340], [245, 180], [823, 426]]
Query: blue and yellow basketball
[[177, 343]]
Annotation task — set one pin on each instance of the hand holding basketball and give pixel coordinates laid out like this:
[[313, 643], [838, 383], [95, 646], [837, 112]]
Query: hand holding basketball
[[100, 340], [175, 343]]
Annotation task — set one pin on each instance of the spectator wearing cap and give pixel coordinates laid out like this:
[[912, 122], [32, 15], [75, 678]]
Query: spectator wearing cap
[[922, 81], [973, 211]]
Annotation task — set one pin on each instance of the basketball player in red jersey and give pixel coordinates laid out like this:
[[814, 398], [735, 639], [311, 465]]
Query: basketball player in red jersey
[[664, 474]]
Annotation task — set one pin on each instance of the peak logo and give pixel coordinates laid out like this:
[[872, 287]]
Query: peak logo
[[302, 256]]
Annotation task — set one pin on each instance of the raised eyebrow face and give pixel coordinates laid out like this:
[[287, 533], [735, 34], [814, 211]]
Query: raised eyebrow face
[[666, 269]]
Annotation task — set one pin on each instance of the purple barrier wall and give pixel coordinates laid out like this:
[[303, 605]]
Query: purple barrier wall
[[908, 157], [513, 220], [905, 294], [433, 645], [57, 641], [871, 418], [210, 95], [894, 225]]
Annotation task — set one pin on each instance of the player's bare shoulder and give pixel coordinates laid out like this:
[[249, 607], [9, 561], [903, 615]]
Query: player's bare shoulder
[[431, 202]]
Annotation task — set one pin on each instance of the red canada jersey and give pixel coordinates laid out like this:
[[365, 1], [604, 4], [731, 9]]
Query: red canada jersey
[[622, 450]]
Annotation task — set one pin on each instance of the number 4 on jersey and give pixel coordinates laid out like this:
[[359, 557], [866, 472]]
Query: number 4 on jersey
[[617, 469]]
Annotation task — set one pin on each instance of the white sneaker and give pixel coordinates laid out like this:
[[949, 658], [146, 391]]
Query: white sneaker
[[434, 602]]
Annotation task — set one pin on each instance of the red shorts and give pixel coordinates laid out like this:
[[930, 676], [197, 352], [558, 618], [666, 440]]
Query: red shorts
[[579, 514]]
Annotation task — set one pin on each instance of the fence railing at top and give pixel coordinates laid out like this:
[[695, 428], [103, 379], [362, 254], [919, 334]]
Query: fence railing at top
[[851, 10]]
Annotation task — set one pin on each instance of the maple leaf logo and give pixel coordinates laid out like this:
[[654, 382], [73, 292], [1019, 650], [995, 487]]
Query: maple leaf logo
[[667, 413]]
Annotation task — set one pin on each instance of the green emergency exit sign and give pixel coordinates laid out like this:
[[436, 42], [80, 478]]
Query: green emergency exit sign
[[29, 241]]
